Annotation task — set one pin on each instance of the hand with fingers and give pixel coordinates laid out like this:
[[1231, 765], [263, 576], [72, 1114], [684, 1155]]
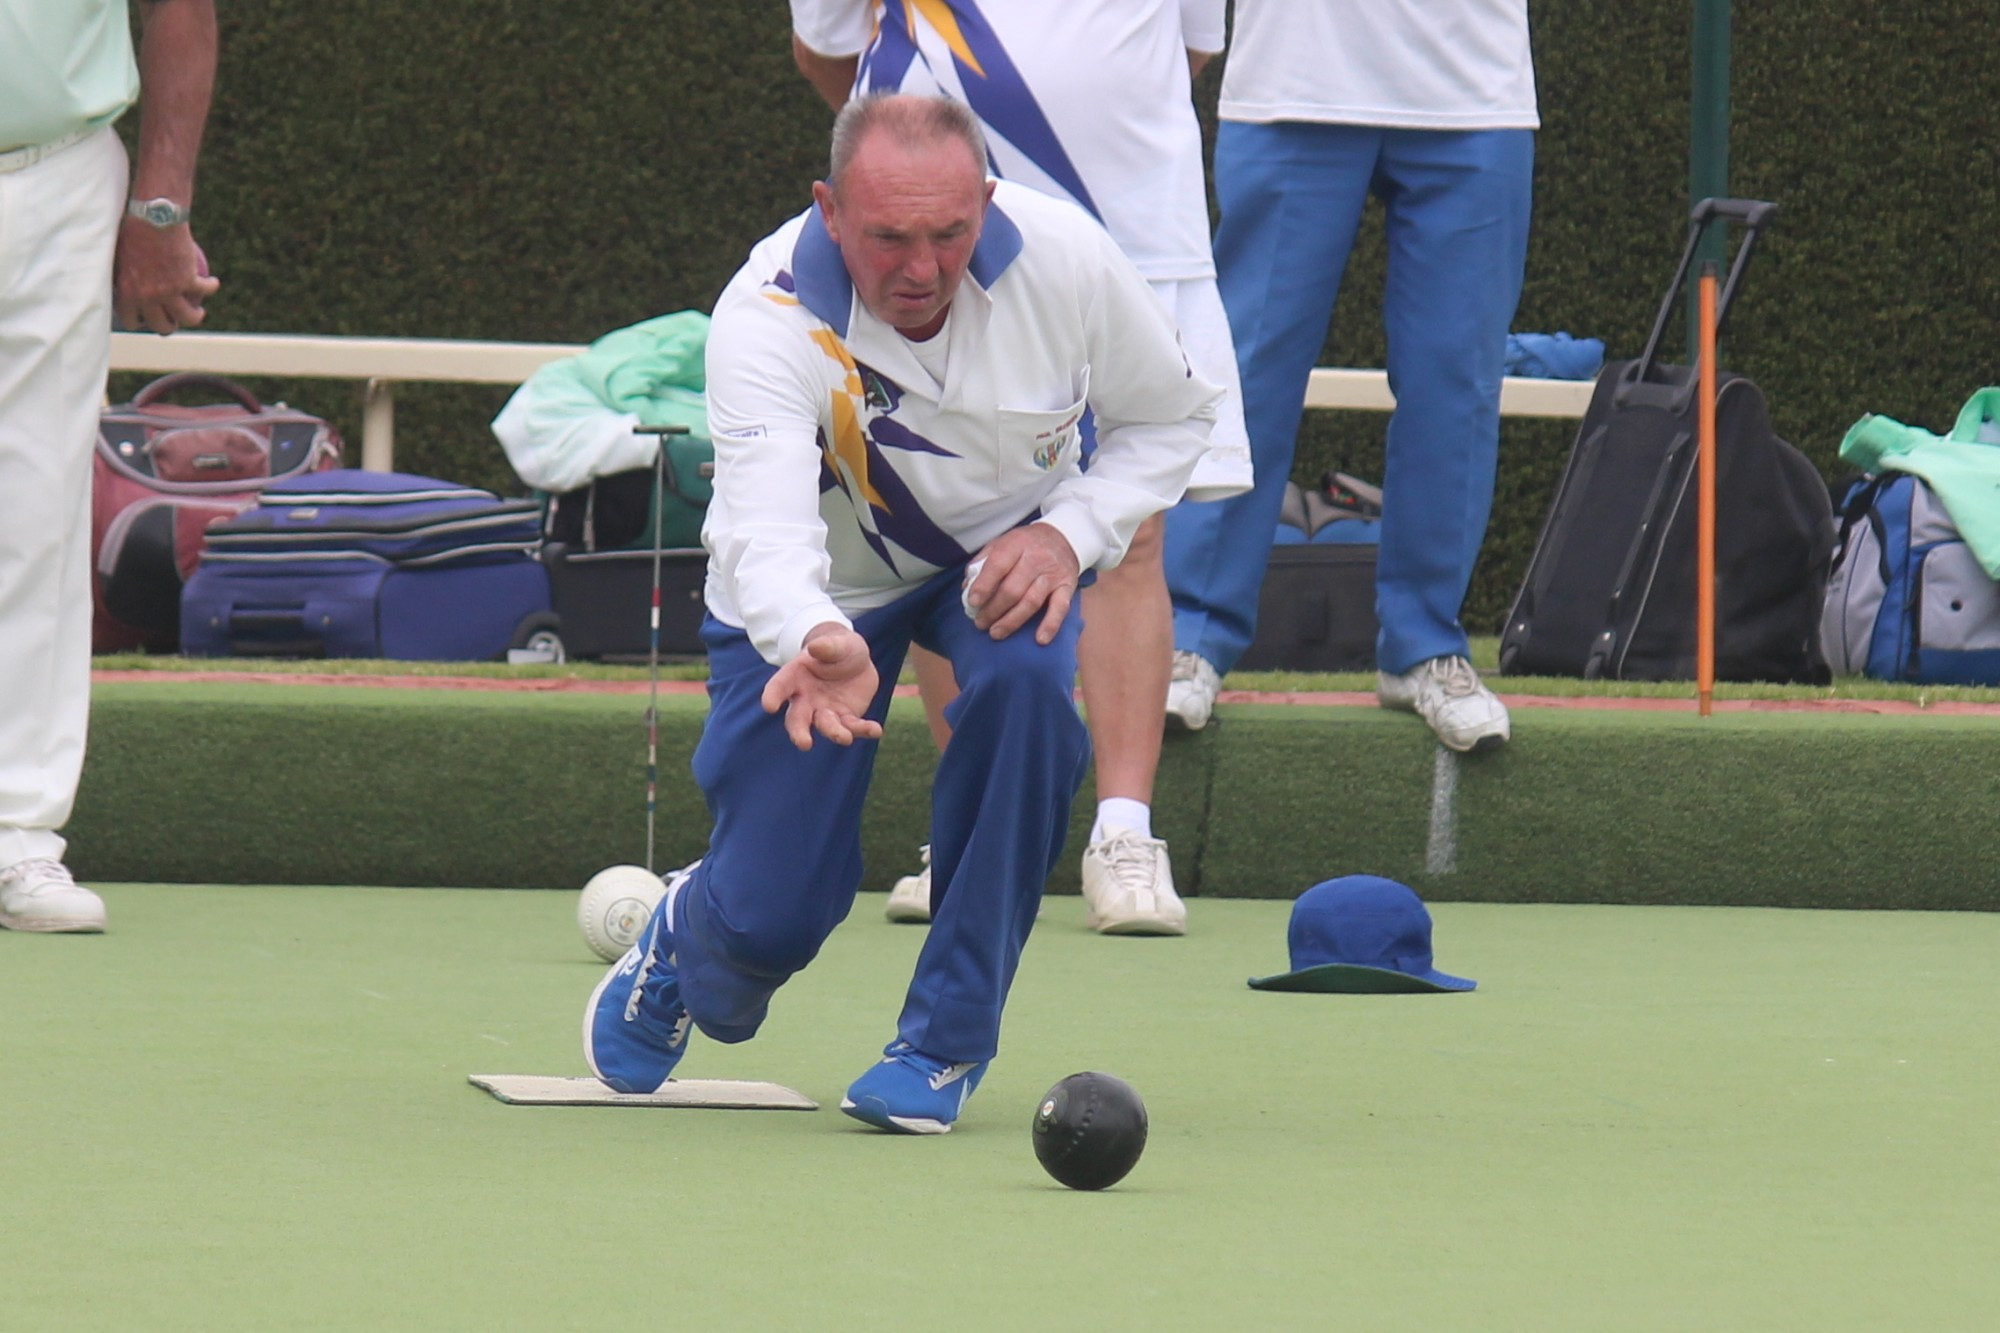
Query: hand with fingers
[[827, 688], [1026, 572], [160, 278]]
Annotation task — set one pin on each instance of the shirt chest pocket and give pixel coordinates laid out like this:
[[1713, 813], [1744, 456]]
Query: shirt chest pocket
[[1036, 442]]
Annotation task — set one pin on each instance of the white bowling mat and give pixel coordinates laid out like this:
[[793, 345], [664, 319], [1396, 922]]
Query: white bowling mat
[[720, 1093]]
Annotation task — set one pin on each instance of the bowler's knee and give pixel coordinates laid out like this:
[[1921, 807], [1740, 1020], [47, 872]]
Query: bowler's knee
[[1019, 674], [771, 949]]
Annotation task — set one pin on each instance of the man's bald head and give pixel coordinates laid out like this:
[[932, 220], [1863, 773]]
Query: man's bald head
[[905, 205], [908, 121]]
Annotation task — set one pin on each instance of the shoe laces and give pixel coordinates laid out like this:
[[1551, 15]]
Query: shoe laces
[[38, 875], [1454, 675], [1129, 856], [940, 1074], [1187, 666]]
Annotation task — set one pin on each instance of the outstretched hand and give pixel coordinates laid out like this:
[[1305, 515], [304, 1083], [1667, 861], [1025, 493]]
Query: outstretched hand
[[827, 688], [1024, 572]]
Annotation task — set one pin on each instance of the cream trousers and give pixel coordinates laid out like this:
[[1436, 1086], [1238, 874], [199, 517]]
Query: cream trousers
[[58, 230]]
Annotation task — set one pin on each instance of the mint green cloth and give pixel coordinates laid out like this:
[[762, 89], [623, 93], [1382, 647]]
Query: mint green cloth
[[652, 369], [68, 66], [1962, 469]]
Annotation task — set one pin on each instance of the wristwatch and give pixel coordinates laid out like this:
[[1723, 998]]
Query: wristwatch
[[158, 212]]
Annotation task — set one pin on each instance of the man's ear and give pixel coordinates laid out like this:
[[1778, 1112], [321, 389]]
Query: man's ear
[[989, 191], [828, 216]]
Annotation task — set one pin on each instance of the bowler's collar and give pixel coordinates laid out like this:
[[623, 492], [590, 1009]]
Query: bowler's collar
[[820, 279]]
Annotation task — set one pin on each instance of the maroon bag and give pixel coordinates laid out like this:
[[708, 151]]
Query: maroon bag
[[163, 473]]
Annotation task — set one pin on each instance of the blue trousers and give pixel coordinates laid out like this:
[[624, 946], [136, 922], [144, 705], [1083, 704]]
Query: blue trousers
[[1457, 211], [784, 859]]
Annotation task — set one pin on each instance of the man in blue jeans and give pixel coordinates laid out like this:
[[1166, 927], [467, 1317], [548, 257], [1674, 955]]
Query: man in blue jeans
[[897, 380], [1429, 105]]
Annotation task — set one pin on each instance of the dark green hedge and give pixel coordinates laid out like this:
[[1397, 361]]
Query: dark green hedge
[[534, 172]]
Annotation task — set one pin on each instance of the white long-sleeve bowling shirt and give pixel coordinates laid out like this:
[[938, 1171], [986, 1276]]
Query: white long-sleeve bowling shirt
[[847, 473]]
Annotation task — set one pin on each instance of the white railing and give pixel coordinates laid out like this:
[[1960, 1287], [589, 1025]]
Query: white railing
[[382, 363]]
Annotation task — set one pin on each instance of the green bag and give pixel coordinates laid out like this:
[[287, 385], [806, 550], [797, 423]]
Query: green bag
[[618, 512], [681, 501], [1962, 469]]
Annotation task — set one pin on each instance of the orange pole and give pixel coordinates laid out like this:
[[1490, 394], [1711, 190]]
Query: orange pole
[[1704, 637]]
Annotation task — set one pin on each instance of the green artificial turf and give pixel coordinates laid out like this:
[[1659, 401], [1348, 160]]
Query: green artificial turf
[[246, 1108]]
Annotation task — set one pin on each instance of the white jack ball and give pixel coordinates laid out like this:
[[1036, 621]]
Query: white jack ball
[[614, 907]]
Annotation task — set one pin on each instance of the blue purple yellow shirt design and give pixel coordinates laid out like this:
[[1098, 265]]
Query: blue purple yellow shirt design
[[992, 86], [860, 424]]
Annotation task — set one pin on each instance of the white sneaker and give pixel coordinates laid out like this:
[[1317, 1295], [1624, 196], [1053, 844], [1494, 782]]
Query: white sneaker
[[1128, 884], [1447, 693], [1191, 692], [910, 898], [39, 894]]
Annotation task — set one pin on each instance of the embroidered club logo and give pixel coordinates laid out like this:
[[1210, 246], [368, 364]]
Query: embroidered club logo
[[1051, 445]]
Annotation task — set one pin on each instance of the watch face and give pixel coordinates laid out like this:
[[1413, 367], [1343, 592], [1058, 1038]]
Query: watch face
[[158, 212]]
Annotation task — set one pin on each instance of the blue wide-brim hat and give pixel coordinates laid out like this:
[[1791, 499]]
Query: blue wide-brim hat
[[1361, 935]]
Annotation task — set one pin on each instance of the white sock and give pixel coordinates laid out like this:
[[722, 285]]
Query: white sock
[[1122, 812]]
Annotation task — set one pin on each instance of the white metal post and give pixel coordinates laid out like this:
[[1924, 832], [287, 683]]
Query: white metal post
[[378, 426]]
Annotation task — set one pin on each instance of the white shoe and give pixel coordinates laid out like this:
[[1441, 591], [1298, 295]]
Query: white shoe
[[1128, 884], [1191, 692], [910, 899], [38, 894], [1447, 693]]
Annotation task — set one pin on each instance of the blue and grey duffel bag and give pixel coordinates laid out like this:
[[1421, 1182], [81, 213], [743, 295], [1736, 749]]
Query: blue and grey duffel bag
[[1908, 599], [370, 564]]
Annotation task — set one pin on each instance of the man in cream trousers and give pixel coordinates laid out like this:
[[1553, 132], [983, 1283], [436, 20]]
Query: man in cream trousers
[[78, 238]]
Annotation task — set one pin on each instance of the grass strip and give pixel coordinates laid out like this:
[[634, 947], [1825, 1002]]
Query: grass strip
[[208, 782]]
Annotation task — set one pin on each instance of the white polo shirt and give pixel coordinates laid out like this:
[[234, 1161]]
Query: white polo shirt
[[65, 66], [847, 472], [1406, 64], [1087, 100]]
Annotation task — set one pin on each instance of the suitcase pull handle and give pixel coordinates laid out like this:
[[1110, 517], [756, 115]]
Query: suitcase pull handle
[[1754, 215]]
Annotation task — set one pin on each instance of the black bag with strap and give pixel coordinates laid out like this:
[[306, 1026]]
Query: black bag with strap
[[599, 554], [1610, 590]]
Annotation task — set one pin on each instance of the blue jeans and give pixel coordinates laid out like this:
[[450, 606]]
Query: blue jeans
[[784, 859], [1457, 211]]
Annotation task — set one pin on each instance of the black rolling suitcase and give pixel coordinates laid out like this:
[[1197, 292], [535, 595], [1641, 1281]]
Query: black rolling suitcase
[[1610, 589], [598, 548], [1316, 607]]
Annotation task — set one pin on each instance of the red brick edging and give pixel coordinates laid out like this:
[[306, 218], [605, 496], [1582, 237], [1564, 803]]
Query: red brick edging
[[1347, 698]]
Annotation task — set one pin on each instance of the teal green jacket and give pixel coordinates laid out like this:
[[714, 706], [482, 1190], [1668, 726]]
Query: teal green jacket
[[1963, 469], [572, 421]]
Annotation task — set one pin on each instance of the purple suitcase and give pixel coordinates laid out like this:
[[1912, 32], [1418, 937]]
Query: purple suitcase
[[370, 564]]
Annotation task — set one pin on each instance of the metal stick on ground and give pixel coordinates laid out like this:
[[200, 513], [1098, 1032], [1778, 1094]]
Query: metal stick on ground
[[653, 636], [1705, 441]]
